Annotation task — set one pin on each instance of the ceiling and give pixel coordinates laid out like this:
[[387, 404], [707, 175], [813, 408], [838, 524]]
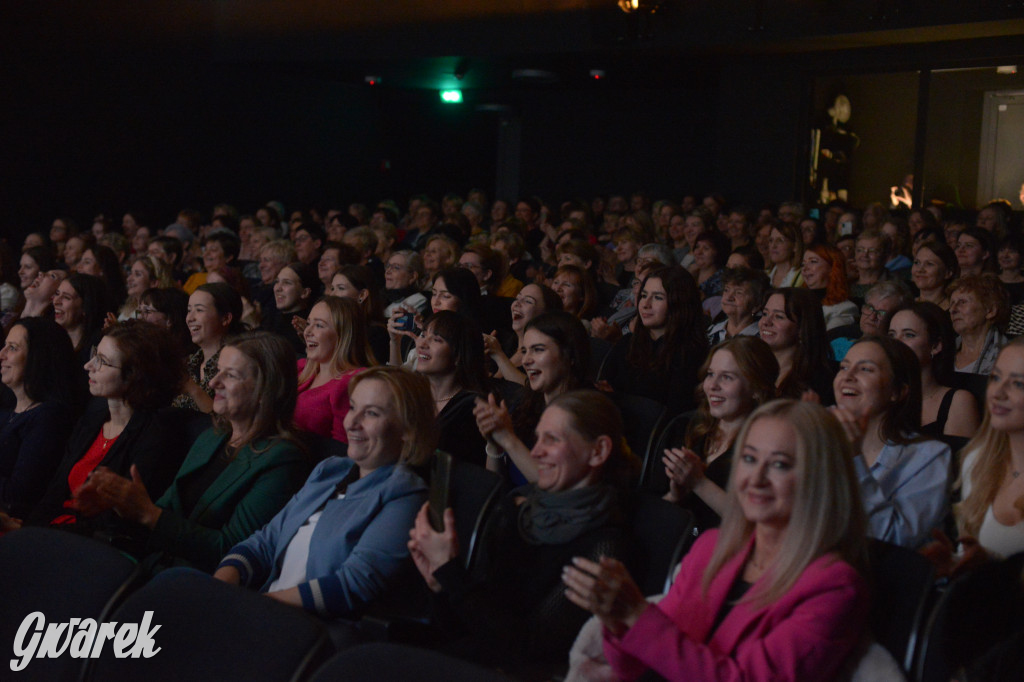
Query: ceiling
[[417, 44]]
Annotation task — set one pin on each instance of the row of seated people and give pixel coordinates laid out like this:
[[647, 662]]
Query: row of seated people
[[866, 403]]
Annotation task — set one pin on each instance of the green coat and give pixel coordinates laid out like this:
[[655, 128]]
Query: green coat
[[246, 495]]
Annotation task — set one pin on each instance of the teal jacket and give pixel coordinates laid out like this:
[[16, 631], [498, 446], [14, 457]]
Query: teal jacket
[[246, 495]]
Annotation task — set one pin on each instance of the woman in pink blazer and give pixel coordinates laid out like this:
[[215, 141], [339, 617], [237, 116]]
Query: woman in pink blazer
[[777, 592]]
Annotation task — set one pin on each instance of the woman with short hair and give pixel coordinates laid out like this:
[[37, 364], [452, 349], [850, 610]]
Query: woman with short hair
[[340, 542]]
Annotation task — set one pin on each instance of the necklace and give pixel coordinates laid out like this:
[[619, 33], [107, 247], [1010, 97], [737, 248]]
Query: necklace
[[106, 441], [447, 397]]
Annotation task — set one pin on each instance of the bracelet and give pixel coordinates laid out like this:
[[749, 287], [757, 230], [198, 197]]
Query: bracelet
[[489, 448]]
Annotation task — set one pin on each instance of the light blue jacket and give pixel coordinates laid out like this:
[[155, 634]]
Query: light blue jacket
[[358, 544]]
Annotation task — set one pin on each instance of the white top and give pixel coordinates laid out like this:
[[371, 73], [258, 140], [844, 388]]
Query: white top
[[993, 536], [293, 566], [840, 314]]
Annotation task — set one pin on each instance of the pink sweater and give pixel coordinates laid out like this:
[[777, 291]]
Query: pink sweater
[[322, 410], [805, 635]]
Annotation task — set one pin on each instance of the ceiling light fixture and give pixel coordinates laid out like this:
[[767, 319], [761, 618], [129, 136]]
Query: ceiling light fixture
[[644, 6]]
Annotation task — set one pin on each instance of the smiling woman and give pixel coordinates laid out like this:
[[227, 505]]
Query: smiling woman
[[904, 478], [777, 593], [340, 541], [336, 351], [512, 610], [236, 476]]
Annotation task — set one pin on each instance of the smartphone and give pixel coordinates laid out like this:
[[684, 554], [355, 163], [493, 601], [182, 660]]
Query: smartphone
[[440, 489], [407, 322]]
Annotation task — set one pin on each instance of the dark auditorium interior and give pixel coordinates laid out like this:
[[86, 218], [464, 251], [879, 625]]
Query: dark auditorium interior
[[583, 435]]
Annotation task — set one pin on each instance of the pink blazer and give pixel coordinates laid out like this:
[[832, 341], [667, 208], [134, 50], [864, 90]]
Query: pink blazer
[[805, 635]]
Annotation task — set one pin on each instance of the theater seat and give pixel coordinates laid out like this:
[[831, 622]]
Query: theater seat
[[642, 420], [213, 631], [64, 576], [662, 533], [652, 476], [902, 582]]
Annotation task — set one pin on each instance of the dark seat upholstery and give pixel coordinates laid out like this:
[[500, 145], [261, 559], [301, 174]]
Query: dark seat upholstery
[[662, 533], [64, 576], [652, 476], [642, 420], [902, 581], [383, 661], [213, 631]]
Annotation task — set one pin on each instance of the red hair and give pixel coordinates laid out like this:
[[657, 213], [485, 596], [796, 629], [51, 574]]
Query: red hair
[[837, 290]]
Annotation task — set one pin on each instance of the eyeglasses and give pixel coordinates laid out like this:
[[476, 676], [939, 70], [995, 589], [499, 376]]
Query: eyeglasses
[[861, 251], [99, 360], [871, 310]]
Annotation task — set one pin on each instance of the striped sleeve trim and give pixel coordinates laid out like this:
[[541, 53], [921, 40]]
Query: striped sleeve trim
[[241, 562]]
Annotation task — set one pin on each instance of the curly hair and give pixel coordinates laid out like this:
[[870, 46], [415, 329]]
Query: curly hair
[[837, 289], [152, 364]]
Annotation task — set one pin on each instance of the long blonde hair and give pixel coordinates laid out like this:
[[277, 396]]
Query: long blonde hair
[[989, 470], [827, 514], [353, 349]]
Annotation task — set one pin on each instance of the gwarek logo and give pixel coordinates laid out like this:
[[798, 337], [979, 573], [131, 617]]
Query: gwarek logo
[[81, 638]]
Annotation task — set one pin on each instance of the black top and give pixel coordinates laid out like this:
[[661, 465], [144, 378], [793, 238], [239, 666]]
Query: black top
[[512, 610], [672, 387], [32, 444], [457, 431]]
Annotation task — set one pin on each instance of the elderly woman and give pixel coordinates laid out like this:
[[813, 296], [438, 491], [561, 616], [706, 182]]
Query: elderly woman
[[872, 252], [237, 475], [404, 281], [980, 309], [512, 609], [37, 365], [777, 593], [904, 478], [439, 253], [824, 273], [135, 370], [935, 267], [743, 292], [339, 542]]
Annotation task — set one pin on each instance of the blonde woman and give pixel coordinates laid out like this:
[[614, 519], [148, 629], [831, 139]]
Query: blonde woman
[[336, 350], [777, 592]]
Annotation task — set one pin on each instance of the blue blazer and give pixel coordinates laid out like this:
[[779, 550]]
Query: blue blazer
[[357, 547]]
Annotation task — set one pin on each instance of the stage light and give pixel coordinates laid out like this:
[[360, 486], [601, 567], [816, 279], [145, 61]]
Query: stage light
[[451, 96]]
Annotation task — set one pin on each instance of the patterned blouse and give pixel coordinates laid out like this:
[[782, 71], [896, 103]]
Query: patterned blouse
[[195, 361]]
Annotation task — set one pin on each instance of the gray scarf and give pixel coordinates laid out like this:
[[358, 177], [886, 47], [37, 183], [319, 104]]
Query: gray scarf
[[557, 518]]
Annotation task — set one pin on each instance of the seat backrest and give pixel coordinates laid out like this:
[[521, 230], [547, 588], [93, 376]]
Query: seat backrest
[[210, 630], [902, 581], [473, 493], [642, 419], [599, 349], [189, 423], [64, 576], [381, 661], [652, 476], [662, 533]]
